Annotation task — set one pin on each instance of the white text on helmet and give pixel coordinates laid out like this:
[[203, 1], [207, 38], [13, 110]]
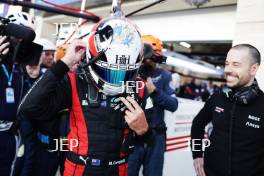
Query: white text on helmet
[[118, 66]]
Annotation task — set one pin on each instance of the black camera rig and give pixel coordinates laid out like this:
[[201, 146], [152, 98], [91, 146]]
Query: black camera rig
[[22, 49]]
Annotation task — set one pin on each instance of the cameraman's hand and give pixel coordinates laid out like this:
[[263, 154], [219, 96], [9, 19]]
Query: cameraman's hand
[[149, 85], [3, 46], [74, 53], [135, 116]]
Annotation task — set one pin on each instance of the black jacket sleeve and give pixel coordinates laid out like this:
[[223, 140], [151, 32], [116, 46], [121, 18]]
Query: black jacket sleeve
[[28, 138], [50, 94], [198, 127]]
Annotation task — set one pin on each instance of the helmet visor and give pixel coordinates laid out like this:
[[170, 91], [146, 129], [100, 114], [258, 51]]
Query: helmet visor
[[113, 75]]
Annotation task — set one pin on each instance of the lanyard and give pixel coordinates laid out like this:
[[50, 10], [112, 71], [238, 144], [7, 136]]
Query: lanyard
[[9, 77]]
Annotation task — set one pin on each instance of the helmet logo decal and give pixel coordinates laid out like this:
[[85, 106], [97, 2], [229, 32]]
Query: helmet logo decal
[[123, 34], [122, 59], [103, 37]]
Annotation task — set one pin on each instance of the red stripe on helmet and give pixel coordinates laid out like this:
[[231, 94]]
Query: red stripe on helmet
[[92, 41], [92, 45]]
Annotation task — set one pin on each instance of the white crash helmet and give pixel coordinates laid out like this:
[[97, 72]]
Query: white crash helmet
[[47, 44], [22, 18], [119, 42]]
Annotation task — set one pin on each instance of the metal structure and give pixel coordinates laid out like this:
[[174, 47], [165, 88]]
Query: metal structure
[[189, 67], [197, 3], [50, 9]]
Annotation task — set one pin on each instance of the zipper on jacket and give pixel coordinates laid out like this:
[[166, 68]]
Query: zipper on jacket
[[232, 119]]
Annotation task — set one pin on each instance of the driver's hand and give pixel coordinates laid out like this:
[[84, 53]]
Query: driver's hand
[[74, 53], [135, 116]]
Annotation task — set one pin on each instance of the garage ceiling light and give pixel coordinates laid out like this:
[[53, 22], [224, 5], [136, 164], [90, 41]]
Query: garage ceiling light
[[185, 44]]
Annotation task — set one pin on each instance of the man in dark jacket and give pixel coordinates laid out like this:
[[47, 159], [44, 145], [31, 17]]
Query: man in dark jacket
[[99, 134], [237, 139]]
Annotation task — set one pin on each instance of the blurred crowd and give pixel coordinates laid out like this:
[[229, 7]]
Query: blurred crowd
[[195, 89]]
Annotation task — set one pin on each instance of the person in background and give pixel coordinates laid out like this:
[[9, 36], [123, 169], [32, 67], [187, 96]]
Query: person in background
[[32, 73], [160, 88], [48, 53], [176, 79]]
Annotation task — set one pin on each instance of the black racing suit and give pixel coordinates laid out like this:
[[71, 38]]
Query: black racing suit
[[237, 138], [99, 129]]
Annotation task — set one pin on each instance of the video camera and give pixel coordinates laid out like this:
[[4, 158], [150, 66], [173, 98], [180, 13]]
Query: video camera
[[21, 49], [156, 57], [146, 68]]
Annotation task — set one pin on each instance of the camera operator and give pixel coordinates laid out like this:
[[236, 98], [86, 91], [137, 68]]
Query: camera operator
[[11, 90], [162, 95]]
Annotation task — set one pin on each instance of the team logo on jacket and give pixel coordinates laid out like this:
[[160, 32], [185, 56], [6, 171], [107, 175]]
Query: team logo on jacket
[[253, 121], [219, 110]]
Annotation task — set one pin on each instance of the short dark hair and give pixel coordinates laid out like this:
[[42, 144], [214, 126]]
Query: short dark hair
[[253, 51]]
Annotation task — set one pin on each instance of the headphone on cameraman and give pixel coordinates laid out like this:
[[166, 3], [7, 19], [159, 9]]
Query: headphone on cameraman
[[245, 95]]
